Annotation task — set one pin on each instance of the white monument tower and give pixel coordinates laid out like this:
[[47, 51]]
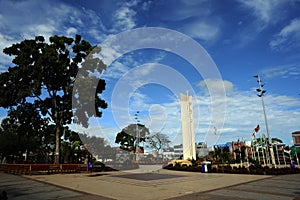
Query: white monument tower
[[187, 125]]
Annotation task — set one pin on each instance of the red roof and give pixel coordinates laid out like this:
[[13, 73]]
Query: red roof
[[296, 132]]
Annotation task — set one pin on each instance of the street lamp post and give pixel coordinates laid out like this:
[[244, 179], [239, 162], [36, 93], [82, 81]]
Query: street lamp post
[[261, 93], [137, 135]]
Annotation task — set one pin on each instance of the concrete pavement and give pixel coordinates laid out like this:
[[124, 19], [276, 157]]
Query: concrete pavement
[[21, 188], [161, 184]]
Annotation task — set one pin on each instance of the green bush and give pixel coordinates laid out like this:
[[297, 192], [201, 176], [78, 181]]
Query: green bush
[[258, 170]]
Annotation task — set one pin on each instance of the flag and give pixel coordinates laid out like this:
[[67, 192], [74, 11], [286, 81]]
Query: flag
[[257, 128]]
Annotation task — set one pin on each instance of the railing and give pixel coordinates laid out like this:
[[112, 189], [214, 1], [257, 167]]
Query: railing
[[43, 168]]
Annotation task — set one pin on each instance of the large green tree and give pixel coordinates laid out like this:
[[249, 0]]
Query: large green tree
[[44, 74], [23, 131], [97, 146], [131, 136], [72, 147]]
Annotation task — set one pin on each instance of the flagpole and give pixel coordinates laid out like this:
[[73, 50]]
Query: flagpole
[[263, 152], [282, 149], [246, 152], [255, 143], [277, 155], [290, 156], [252, 149], [297, 156], [257, 149]]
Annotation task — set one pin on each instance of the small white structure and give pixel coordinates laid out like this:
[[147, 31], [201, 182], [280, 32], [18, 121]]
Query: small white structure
[[187, 125], [178, 151], [168, 153], [202, 149]]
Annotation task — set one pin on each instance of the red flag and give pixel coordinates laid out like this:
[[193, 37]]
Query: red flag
[[257, 128]]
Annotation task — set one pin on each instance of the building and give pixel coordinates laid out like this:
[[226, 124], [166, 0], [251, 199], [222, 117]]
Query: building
[[296, 138], [178, 151], [201, 149], [168, 153], [187, 126]]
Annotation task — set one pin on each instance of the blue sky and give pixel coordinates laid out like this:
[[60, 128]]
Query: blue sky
[[243, 38]]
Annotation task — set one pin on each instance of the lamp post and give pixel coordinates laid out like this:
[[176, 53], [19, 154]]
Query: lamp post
[[260, 94], [137, 135]]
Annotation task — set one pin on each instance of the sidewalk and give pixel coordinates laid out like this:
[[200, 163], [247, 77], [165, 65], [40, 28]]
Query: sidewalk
[[162, 184], [21, 188]]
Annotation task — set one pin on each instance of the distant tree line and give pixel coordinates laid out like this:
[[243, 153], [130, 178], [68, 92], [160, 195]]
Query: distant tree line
[[25, 137]]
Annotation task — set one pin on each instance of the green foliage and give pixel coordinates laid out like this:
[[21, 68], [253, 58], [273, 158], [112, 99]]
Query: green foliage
[[194, 162], [254, 162], [128, 136], [97, 146], [157, 141], [44, 75], [223, 156], [243, 153], [23, 131]]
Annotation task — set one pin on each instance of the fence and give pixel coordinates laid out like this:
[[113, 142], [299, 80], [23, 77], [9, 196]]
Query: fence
[[30, 169]]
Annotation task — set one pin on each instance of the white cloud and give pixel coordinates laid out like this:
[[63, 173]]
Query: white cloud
[[194, 18], [116, 71], [106, 132], [124, 17], [139, 101], [282, 71], [71, 31], [244, 112], [263, 10], [29, 22], [45, 30], [202, 30], [120, 67], [218, 85], [183, 10], [289, 36], [265, 13], [35, 18], [5, 41]]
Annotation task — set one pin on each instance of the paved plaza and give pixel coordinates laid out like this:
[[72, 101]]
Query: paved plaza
[[160, 184]]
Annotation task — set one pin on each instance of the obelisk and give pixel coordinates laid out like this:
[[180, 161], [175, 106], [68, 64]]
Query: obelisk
[[187, 125]]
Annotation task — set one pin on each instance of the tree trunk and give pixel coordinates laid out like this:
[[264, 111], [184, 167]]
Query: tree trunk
[[57, 146]]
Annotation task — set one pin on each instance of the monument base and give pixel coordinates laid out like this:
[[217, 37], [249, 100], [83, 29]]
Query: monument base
[[180, 162]]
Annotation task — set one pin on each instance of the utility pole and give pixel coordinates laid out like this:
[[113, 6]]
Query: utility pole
[[260, 94], [137, 135]]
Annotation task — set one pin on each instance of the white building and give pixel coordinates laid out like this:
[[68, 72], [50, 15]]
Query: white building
[[178, 151], [202, 149], [187, 125], [168, 153]]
